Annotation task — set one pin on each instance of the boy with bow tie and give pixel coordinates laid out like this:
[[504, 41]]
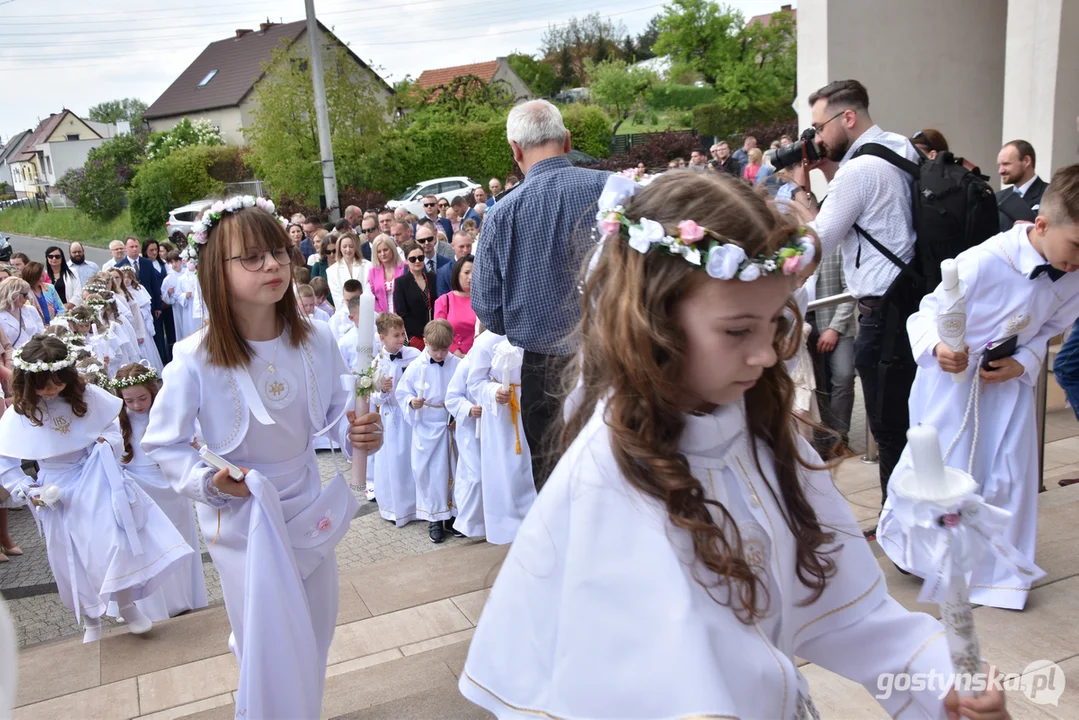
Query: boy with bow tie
[[396, 493], [1019, 284], [422, 391]]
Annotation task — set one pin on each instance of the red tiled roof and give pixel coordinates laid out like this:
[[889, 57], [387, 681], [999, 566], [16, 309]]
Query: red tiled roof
[[44, 130], [433, 78], [766, 20]]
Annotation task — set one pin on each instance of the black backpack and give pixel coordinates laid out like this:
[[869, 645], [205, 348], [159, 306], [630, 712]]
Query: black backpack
[[953, 207]]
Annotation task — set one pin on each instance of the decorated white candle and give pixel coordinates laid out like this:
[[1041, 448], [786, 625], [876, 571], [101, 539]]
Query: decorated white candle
[[506, 380], [365, 327], [952, 321], [421, 381]]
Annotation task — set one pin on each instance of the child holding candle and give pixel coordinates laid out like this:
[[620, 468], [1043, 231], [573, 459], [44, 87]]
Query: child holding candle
[[689, 547], [494, 380], [422, 392], [1019, 284], [396, 490]]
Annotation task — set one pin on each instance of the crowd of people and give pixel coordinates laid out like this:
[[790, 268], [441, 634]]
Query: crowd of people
[[640, 406]]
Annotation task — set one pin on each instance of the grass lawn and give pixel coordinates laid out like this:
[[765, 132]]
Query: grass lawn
[[667, 120], [67, 225]]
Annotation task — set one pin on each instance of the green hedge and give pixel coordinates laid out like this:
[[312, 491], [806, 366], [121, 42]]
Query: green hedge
[[65, 224], [185, 175], [682, 97], [724, 122], [590, 128]]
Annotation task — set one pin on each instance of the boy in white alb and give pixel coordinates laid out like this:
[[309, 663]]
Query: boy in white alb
[[506, 462], [172, 295], [340, 321], [1021, 284], [467, 490], [393, 473], [422, 393]]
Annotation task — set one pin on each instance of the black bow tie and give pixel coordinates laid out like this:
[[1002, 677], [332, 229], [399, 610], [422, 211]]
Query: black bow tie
[[440, 363], [1053, 273], [395, 356]]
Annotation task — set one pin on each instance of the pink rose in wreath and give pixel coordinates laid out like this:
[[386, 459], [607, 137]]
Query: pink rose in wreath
[[690, 232]]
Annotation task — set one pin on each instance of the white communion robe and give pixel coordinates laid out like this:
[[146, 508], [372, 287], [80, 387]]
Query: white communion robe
[[505, 459], [144, 328], [106, 535], [126, 345], [185, 589], [1002, 301], [467, 489], [597, 612], [178, 300], [394, 487], [275, 550], [432, 441]]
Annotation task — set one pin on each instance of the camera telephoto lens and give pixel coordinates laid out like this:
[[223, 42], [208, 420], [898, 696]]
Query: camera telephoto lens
[[792, 154]]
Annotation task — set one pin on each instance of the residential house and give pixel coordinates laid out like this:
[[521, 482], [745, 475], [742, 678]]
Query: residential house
[[11, 149], [766, 19], [60, 143], [496, 71], [219, 85]]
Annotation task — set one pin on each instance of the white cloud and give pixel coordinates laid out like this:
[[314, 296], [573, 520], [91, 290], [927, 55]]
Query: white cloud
[[79, 53]]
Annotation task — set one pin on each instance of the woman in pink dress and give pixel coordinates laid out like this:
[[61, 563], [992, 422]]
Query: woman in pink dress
[[456, 307], [387, 266]]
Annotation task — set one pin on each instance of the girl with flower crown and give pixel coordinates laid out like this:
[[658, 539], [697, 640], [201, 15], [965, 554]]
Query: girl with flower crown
[[140, 304], [106, 539], [138, 386], [259, 381], [689, 545], [123, 348]]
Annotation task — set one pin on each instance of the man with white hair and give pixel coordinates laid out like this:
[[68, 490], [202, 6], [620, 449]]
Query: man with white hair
[[84, 269], [531, 246], [116, 248], [495, 186]]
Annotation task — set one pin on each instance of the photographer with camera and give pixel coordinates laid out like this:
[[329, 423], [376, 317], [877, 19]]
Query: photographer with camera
[[868, 208]]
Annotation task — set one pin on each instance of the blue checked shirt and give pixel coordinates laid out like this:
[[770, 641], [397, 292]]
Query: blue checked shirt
[[529, 256]]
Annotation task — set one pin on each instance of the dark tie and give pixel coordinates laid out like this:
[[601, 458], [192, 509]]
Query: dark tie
[[440, 363], [395, 356], [1048, 269], [430, 266]]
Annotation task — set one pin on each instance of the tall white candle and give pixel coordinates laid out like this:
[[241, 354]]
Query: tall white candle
[[365, 328], [421, 381], [952, 322]]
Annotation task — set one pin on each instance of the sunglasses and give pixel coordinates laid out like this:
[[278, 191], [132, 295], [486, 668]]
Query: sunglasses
[[331, 251], [370, 230], [425, 241], [55, 257], [430, 204], [416, 258], [443, 204]]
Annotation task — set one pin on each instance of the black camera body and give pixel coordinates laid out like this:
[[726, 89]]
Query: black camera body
[[803, 148]]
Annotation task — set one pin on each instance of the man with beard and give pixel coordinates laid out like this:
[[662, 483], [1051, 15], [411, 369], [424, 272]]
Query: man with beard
[[82, 267], [723, 161], [868, 197]]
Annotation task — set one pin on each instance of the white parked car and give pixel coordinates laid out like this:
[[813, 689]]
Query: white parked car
[[447, 187], [181, 219]]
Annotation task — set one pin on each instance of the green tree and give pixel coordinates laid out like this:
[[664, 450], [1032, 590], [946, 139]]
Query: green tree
[[539, 75], [701, 35], [617, 86], [97, 188], [112, 111], [590, 37], [283, 135], [464, 99], [643, 47]]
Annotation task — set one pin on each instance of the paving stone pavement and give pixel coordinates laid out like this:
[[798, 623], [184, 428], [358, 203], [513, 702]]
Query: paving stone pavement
[[27, 582]]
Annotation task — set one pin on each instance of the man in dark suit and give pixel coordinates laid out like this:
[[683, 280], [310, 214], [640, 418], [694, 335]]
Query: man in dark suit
[[462, 247], [465, 211], [428, 241], [1022, 200]]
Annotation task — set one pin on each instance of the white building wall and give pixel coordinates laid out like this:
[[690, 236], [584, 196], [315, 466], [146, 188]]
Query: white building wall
[[228, 119], [67, 155]]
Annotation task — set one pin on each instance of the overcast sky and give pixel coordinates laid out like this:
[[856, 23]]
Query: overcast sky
[[76, 53]]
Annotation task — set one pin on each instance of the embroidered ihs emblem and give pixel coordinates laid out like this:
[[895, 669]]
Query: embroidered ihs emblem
[[1016, 324], [61, 425]]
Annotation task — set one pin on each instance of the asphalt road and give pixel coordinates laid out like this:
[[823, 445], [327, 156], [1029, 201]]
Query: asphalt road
[[35, 248]]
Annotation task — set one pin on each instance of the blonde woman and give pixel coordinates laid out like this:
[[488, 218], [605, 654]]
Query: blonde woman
[[19, 320], [387, 268], [349, 266]]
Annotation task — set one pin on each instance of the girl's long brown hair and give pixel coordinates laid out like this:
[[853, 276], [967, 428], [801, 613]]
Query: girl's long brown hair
[[117, 283], [633, 353], [25, 385], [132, 370], [256, 229]]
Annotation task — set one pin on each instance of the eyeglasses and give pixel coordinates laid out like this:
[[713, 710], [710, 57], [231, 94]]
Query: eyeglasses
[[425, 241], [416, 258], [255, 261], [820, 127], [55, 257], [430, 204]]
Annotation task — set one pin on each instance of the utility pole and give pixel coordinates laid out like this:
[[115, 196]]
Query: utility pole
[[322, 115]]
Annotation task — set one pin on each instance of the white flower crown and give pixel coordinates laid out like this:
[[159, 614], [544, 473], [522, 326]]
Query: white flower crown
[[724, 260], [40, 367], [200, 231], [146, 377]]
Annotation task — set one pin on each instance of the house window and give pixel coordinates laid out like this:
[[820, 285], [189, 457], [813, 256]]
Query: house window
[[73, 136], [208, 78], [48, 165]]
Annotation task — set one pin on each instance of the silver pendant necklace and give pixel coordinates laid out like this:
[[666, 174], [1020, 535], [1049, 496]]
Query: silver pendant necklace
[[275, 384]]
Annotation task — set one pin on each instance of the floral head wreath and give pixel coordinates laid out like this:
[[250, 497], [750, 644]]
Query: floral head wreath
[[200, 231], [149, 375], [100, 302], [96, 373], [722, 259], [41, 367]]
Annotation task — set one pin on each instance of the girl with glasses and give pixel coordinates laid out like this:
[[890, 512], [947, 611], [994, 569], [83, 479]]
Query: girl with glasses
[[259, 381]]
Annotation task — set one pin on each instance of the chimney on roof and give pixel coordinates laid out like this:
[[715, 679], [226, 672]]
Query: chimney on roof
[[263, 27], [241, 32], [785, 8]]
